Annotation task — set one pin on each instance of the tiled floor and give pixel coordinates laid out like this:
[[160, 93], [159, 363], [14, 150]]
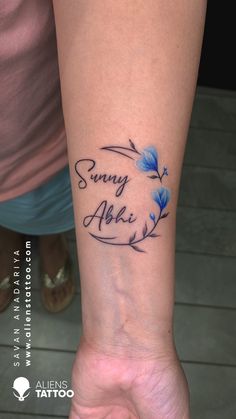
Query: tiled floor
[[205, 312]]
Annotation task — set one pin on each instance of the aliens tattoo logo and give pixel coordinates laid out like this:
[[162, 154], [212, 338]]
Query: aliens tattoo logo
[[113, 223]]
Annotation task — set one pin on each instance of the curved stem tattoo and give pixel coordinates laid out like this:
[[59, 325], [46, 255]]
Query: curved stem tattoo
[[116, 149], [133, 240]]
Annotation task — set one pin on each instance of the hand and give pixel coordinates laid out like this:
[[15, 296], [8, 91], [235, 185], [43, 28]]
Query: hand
[[112, 387]]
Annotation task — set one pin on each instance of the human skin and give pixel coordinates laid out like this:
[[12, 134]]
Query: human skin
[[128, 71]]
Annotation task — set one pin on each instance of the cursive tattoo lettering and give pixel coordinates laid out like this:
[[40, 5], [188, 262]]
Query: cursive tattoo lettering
[[95, 177], [104, 214], [82, 183]]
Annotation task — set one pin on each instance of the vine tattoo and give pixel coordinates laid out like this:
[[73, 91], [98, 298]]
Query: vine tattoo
[[145, 161]]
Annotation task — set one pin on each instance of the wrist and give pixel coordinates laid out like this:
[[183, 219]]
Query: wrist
[[127, 308], [131, 338]]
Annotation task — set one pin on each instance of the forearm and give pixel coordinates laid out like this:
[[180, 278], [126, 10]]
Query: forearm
[[128, 71]]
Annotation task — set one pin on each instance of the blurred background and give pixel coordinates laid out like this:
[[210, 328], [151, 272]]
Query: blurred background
[[205, 309]]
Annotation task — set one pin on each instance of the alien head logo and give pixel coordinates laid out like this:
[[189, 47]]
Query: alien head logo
[[21, 385]]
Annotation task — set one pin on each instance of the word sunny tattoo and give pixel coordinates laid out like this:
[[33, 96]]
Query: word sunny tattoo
[[107, 213]]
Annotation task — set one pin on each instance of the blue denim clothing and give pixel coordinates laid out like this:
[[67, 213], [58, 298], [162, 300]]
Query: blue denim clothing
[[46, 210]]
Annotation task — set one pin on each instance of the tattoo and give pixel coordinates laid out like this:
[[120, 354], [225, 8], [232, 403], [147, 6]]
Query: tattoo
[[107, 213], [148, 161], [120, 180]]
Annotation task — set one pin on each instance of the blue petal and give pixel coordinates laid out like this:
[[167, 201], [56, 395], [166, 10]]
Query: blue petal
[[142, 164], [152, 216], [151, 154], [148, 160]]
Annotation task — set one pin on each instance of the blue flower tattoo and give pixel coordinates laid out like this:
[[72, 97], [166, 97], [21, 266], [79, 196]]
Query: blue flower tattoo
[[145, 161], [161, 197], [149, 160], [149, 163]]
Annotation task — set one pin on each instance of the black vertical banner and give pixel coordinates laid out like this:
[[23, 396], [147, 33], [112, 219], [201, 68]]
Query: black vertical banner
[[218, 64]]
